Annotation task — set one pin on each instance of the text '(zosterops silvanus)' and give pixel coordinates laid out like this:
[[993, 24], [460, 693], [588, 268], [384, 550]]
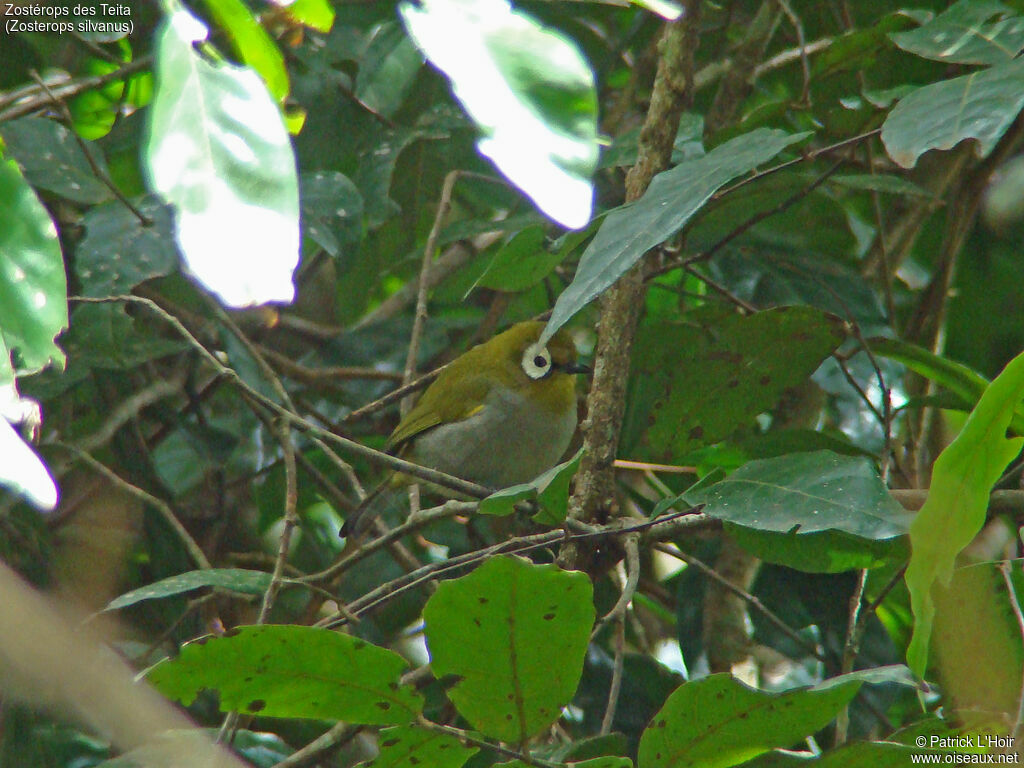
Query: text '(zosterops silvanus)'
[[498, 415]]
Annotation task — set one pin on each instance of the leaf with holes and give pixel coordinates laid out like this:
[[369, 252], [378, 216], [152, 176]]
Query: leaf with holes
[[293, 671], [119, 252], [235, 579], [408, 747], [694, 384], [515, 634], [980, 106], [718, 721], [54, 161]]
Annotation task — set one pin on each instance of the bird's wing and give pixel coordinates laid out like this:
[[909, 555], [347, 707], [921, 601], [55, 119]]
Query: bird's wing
[[446, 401]]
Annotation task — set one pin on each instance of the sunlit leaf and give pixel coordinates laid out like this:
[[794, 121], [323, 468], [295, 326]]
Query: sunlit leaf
[[33, 289], [252, 43], [529, 89], [218, 150], [954, 512]]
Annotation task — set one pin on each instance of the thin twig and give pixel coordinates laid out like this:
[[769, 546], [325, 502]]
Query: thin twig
[[711, 573], [351, 446], [615, 689], [851, 647], [422, 286], [422, 520], [1004, 570], [667, 525], [392, 397], [291, 519], [27, 100], [194, 550], [65, 113]]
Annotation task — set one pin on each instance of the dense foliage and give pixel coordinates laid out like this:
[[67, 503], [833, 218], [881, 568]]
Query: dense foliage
[[786, 236]]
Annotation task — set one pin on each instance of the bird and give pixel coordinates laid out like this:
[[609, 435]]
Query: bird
[[498, 415]]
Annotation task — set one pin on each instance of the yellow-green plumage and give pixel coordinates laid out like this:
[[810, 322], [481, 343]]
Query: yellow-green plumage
[[498, 415]]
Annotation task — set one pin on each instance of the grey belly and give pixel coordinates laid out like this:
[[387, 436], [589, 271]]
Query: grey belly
[[507, 443]]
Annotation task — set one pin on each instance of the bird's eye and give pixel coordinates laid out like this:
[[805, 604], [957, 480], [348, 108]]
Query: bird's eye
[[536, 362]]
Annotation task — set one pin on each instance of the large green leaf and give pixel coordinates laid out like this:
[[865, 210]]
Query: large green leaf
[[969, 32], [408, 747], [954, 512], [387, 69], [118, 251], [672, 198], [718, 721], [816, 511], [233, 579], [697, 382], [54, 161], [33, 289], [515, 634], [530, 90], [293, 671], [979, 106], [218, 150]]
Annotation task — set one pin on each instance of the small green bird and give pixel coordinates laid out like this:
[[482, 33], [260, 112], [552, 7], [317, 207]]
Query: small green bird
[[498, 415]]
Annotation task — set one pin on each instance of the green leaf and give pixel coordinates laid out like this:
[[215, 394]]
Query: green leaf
[[673, 197], [806, 493], [105, 336], [499, 630], [529, 89], [252, 43], [317, 14], [292, 671], [332, 211], [522, 262], [718, 721], [235, 579], [979, 106], [954, 512], [964, 34], [33, 289], [696, 383], [54, 161], [408, 747], [218, 150], [119, 252], [866, 754], [967, 384], [387, 69], [550, 490], [879, 182]]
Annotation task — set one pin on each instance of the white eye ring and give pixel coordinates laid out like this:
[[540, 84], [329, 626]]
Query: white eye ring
[[536, 362]]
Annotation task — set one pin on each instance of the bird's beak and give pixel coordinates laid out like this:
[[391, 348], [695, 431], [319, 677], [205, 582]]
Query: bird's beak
[[577, 368]]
